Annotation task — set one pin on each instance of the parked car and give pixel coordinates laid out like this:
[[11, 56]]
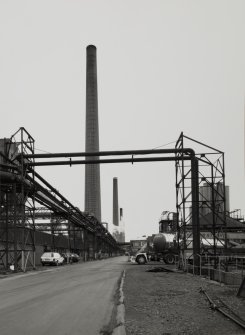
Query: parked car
[[70, 257], [52, 258], [67, 257], [75, 257]]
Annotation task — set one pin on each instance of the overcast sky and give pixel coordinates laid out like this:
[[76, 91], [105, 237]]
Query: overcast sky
[[163, 67]]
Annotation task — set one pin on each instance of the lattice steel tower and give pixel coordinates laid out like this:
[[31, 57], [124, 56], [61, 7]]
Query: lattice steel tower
[[92, 171]]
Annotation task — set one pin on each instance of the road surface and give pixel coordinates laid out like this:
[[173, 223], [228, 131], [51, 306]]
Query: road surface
[[72, 299]]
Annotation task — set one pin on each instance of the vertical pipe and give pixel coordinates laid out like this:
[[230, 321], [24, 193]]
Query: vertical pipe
[[224, 199], [22, 204], [92, 172], [34, 217], [177, 203], [214, 215], [183, 193], [195, 211]]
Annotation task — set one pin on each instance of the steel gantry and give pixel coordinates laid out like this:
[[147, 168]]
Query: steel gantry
[[83, 232], [210, 198], [17, 232]]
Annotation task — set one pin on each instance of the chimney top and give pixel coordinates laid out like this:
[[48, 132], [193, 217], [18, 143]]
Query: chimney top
[[91, 46]]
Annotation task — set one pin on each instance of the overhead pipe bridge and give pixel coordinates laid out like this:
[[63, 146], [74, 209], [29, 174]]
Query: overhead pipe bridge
[[135, 156], [18, 169]]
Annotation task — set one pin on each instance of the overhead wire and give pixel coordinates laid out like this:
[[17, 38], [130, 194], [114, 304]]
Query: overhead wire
[[163, 145], [47, 152]]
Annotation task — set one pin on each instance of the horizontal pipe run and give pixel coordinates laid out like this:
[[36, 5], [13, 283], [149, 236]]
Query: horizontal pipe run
[[53, 190], [63, 198], [104, 161], [187, 151]]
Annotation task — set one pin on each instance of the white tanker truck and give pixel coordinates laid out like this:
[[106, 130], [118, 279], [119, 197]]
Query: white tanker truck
[[161, 246]]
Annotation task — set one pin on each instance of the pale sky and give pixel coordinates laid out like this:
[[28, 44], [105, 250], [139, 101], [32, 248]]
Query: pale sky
[[163, 67]]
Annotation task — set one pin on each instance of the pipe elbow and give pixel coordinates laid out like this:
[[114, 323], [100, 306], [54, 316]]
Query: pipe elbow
[[190, 152]]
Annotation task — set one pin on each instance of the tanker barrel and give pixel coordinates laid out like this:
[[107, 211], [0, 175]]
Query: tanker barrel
[[160, 242]]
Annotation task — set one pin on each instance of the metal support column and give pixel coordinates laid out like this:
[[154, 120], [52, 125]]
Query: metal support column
[[195, 212], [15, 228]]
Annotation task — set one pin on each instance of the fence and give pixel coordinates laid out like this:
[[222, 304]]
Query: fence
[[229, 270]]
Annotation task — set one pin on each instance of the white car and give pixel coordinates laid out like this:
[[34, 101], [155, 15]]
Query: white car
[[52, 258]]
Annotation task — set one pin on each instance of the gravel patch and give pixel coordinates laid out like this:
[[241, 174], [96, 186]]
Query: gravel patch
[[159, 303]]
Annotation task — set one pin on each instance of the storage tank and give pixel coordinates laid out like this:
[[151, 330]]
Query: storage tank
[[159, 242]]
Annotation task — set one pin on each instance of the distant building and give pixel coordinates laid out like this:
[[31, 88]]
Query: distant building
[[210, 197], [168, 222], [118, 235]]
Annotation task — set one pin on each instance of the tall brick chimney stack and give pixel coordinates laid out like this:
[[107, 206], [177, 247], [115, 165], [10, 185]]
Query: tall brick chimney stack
[[92, 172]]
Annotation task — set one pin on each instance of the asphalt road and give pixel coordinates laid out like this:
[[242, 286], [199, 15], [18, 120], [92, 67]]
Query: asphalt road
[[73, 299]]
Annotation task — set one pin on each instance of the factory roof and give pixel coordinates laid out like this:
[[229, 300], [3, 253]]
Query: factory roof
[[206, 221]]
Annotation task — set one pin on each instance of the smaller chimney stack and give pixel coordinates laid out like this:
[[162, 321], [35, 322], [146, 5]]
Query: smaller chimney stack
[[121, 213], [115, 203]]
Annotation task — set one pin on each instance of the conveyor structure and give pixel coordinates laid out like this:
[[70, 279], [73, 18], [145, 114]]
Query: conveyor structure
[[35, 217]]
